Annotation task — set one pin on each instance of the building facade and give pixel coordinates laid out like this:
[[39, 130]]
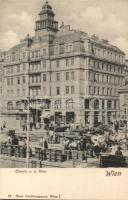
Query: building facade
[[123, 97], [65, 72]]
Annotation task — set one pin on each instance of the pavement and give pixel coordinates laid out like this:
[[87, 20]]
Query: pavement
[[15, 162]]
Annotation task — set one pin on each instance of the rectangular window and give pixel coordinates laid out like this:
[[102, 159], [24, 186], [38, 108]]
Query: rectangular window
[[23, 92], [44, 91], [11, 81], [67, 89], [24, 55], [37, 91], [23, 79], [8, 93], [33, 67], [18, 68], [36, 79], [103, 104], [8, 81], [107, 91], [44, 52], [103, 91], [18, 92], [90, 89], [32, 79], [44, 77], [11, 70], [44, 63], [72, 89], [72, 61], [32, 54], [70, 48], [61, 48], [67, 76], [86, 104], [58, 90], [94, 90], [8, 70], [98, 90], [57, 63], [72, 75], [23, 66], [58, 76], [67, 62], [11, 93], [103, 78], [18, 80], [36, 54]]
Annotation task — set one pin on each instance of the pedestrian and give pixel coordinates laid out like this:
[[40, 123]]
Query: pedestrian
[[4, 124], [51, 133], [116, 127], [41, 143], [15, 140], [31, 125], [118, 152]]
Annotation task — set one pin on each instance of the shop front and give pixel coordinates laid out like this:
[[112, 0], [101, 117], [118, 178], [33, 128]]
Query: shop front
[[70, 117]]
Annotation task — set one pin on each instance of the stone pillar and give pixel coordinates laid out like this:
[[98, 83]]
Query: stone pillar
[[100, 111], [79, 111], [106, 114], [91, 117]]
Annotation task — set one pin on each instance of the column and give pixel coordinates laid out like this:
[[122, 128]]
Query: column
[[91, 117], [79, 111], [106, 114], [100, 111]]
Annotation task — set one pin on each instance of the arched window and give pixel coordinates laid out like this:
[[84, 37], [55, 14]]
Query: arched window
[[10, 105], [57, 104], [18, 105], [96, 104], [69, 104]]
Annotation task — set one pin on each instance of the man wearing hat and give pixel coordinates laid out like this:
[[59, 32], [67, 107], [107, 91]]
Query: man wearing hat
[[118, 152]]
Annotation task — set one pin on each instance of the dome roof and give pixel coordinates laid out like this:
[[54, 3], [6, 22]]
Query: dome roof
[[46, 9]]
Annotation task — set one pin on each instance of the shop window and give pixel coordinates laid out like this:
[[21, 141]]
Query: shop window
[[96, 104], [10, 105], [87, 101], [18, 105]]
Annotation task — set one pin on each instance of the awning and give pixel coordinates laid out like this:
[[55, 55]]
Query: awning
[[45, 115]]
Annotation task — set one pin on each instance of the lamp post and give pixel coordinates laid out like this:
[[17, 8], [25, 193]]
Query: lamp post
[[27, 106], [28, 122]]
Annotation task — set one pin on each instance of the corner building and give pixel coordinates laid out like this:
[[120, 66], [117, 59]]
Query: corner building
[[73, 76]]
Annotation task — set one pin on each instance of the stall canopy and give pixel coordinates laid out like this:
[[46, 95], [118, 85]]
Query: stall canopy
[[45, 115]]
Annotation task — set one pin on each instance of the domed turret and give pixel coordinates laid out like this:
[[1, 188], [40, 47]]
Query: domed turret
[[47, 21], [46, 9]]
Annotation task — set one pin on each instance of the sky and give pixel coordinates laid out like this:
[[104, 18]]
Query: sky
[[107, 19]]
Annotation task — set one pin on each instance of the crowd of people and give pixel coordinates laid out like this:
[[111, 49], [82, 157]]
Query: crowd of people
[[106, 142], [110, 141]]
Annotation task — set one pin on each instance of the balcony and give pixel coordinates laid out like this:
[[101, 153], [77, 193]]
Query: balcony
[[35, 84]]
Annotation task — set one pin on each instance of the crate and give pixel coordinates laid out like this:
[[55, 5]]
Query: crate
[[38, 153], [17, 151], [48, 154], [53, 157], [23, 151], [68, 154], [112, 161], [58, 155]]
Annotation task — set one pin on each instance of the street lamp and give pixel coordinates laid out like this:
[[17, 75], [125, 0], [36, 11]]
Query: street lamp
[[27, 104], [28, 122]]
